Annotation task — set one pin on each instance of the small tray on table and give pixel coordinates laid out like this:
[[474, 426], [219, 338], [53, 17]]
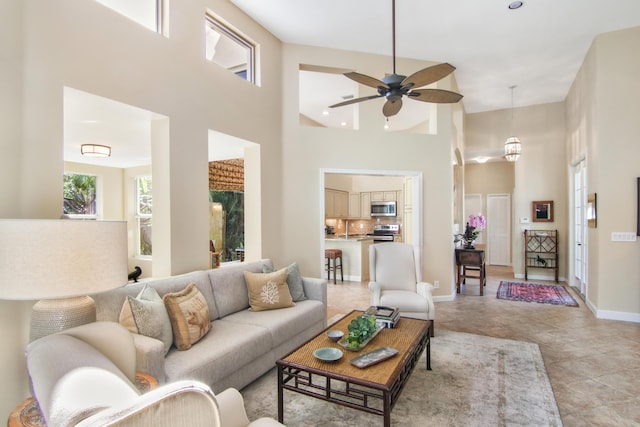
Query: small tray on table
[[373, 357]]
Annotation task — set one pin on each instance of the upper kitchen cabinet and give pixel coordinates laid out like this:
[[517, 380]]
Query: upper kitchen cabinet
[[354, 205], [383, 196], [365, 205], [336, 203]]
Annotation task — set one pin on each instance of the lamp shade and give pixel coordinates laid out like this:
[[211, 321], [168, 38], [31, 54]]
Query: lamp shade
[[47, 259]]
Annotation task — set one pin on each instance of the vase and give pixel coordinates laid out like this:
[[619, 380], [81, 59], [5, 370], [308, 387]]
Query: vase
[[468, 244]]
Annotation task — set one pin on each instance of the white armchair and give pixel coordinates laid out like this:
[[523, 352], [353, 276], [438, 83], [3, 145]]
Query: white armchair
[[83, 377], [396, 280]]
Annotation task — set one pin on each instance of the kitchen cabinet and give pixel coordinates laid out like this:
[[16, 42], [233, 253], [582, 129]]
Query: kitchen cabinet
[[336, 203], [383, 196], [407, 219], [354, 205], [365, 205]]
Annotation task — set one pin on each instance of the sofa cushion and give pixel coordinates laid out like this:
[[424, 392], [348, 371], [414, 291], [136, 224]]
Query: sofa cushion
[[189, 316], [285, 323], [294, 281], [147, 315], [226, 348], [229, 287], [268, 291]]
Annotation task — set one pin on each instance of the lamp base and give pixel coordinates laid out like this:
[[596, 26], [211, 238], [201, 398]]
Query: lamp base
[[55, 315]]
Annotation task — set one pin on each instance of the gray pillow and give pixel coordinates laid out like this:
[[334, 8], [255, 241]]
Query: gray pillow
[[294, 281]]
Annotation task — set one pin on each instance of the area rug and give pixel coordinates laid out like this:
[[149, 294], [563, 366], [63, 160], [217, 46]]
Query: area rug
[[474, 381], [534, 292]]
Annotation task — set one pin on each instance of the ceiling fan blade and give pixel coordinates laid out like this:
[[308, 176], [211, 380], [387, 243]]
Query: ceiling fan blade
[[366, 80], [438, 96], [354, 100], [391, 108], [428, 75]]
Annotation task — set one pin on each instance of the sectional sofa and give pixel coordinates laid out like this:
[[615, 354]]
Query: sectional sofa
[[241, 344]]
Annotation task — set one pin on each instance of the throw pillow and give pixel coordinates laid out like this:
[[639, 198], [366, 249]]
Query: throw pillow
[[146, 315], [294, 281], [268, 291], [189, 314]]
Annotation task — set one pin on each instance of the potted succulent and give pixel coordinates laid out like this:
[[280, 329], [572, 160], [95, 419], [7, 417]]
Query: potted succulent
[[361, 330]]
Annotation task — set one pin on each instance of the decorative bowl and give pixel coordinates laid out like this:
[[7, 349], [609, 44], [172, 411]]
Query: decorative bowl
[[335, 335], [328, 354]]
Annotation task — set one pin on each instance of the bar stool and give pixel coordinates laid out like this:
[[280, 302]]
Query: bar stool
[[335, 255]]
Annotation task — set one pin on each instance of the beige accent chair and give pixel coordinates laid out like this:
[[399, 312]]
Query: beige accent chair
[[83, 377], [396, 280]]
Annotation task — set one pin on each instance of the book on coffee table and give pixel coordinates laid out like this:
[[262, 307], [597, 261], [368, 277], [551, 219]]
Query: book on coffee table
[[385, 316]]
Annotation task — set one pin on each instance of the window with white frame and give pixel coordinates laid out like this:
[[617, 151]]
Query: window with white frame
[[228, 48], [143, 215], [147, 13], [80, 195]]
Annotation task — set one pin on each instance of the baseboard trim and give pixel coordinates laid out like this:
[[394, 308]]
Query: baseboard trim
[[617, 315], [444, 298]]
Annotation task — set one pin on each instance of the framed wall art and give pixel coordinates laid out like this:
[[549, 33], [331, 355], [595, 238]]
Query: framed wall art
[[542, 211], [592, 210]]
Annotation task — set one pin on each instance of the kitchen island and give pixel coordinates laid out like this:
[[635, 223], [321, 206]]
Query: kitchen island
[[355, 254]]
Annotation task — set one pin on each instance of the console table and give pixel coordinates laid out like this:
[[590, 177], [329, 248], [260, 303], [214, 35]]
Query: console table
[[471, 264]]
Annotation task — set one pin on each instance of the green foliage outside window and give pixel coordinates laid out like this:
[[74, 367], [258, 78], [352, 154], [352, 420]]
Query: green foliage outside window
[[233, 206], [144, 207], [79, 194]]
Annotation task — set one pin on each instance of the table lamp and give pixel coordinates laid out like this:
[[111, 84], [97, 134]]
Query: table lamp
[[60, 262]]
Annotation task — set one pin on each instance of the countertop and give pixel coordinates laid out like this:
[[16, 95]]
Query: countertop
[[351, 238]]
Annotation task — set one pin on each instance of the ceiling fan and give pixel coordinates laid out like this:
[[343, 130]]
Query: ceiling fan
[[394, 86]]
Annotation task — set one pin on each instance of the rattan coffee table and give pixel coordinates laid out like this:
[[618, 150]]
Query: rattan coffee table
[[374, 389]]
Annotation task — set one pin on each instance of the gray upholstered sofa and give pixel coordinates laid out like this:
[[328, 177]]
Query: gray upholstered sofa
[[241, 345]]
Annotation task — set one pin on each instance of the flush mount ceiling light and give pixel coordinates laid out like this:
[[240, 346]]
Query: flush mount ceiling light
[[95, 150], [512, 146], [515, 5]]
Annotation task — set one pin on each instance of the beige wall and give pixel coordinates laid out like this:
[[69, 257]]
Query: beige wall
[[602, 125], [86, 46], [308, 150], [539, 174], [489, 178]]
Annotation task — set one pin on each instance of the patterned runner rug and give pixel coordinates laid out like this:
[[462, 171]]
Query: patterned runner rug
[[475, 381], [534, 292]]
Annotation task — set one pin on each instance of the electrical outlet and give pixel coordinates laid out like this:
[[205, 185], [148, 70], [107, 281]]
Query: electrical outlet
[[436, 284]]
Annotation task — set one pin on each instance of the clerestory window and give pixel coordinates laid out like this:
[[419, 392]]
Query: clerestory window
[[148, 13], [228, 48]]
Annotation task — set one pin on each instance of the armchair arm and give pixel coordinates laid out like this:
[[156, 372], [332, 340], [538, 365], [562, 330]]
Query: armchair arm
[[425, 290], [150, 356], [233, 414], [180, 403]]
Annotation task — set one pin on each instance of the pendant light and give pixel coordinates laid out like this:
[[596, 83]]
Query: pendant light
[[512, 146]]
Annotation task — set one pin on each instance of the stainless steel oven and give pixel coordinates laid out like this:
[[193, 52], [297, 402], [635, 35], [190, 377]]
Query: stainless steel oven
[[385, 232]]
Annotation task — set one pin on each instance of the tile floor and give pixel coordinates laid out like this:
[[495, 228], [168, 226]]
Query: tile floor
[[593, 364]]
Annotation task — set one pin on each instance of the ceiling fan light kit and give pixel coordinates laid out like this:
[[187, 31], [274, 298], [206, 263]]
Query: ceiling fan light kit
[[394, 86]]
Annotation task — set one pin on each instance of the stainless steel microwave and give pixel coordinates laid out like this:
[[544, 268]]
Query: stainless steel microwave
[[383, 209]]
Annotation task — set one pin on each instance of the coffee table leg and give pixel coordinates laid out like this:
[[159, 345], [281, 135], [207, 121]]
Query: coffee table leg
[[429, 353], [280, 396], [387, 409]]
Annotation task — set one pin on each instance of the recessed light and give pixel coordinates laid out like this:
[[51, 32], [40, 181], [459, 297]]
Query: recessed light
[[515, 5], [325, 113], [343, 124], [482, 159]]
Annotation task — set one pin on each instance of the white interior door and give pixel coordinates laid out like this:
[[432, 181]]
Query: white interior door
[[472, 206], [580, 231], [498, 229]]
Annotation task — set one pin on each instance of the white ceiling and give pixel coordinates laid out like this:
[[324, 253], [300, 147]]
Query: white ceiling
[[538, 47]]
